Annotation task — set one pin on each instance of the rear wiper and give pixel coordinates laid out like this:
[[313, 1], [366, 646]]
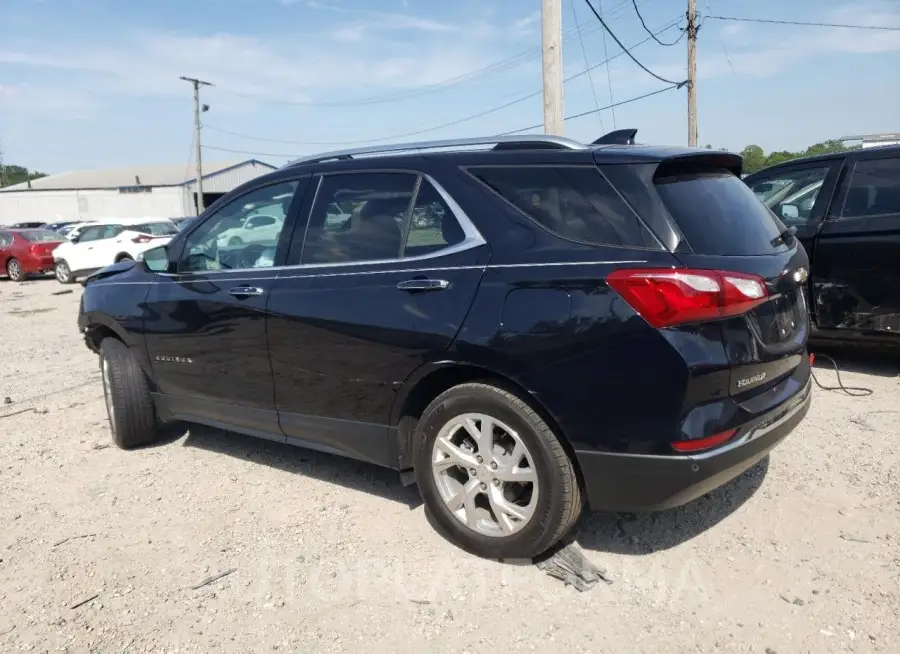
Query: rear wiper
[[783, 236]]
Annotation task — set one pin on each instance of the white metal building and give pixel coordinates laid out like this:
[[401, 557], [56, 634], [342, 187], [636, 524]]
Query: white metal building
[[874, 140], [138, 192]]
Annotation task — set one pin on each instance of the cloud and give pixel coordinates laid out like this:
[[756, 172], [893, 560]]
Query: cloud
[[150, 63], [58, 103]]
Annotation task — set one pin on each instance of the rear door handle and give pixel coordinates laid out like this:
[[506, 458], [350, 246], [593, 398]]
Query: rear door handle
[[245, 291], [424, 285]]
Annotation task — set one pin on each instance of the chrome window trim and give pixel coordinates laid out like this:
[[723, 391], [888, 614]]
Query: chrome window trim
[[472, 239]]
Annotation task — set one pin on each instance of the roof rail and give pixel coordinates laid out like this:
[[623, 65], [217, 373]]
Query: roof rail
[[538, 141], [618, 137]]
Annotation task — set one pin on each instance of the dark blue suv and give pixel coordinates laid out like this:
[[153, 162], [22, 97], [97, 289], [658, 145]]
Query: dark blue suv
[[523, 326]]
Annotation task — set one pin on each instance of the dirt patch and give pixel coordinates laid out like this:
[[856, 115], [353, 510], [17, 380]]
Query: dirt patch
[[213, 541]]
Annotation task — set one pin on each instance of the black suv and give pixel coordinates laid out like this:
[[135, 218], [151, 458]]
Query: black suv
[[521, 329], [845, 208]]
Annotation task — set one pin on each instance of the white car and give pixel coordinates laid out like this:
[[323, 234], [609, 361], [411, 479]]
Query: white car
[[254, 229], [101, 243]]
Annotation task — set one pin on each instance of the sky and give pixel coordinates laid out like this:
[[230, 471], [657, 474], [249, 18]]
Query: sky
[[95, 83]]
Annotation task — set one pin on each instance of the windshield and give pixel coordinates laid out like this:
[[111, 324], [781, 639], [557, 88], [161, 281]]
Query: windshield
[[40, 236]]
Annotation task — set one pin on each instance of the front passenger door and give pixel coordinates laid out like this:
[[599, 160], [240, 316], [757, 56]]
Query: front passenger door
[[205, 323]]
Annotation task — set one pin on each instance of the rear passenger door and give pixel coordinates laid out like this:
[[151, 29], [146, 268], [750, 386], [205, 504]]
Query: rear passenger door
[[857, 257], [379, 282]]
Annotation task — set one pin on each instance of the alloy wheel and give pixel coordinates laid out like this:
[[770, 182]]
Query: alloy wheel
[[14, 270], [485, 474], [62, 272]]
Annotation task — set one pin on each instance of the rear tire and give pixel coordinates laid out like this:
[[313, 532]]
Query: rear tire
[[15, 271], [63, 272], [129, 406], [510, 511], [124, 257]]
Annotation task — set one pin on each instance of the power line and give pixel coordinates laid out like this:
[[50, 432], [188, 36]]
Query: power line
[[612, 100], [587, 64], [286, 155], [626, 51], [805, 23], [495, 67], [647, 29], [443, 125], [586, 113]]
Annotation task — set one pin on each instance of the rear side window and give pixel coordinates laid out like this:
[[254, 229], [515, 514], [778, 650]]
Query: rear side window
[[156, 229], [874, 189], [40, 236], [575, 202], [719, 214]]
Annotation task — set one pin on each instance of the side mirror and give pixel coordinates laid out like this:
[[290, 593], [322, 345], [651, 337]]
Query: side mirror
[[74, 238], [155, 260], [790, 212]]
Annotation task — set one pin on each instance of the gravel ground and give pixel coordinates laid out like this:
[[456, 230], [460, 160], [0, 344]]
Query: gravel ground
[[102, 550]]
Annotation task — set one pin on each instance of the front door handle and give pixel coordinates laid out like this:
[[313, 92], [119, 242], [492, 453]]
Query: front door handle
[[424, 285], [245, 291]]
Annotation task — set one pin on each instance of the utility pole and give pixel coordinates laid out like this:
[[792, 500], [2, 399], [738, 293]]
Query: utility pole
[[551, 37], [692, 72], [197, 83]]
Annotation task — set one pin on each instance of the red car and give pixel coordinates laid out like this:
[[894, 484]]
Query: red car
[[26, 252]]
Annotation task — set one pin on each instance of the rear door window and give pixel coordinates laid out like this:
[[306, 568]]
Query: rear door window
[[792, 194], [719, 214], [575, 202], [874, 189]]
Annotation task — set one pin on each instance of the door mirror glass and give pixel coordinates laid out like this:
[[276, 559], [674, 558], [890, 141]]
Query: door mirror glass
[[790, 212], [156, 259]]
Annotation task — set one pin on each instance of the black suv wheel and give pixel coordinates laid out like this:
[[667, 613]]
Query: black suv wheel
[[132, 417], [493, 475]]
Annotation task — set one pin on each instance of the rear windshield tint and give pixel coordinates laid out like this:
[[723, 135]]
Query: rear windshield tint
[[719, 215], [40, 236]]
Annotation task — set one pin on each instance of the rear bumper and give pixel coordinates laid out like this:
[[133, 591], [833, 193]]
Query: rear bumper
[[37, 264], [643, 482]]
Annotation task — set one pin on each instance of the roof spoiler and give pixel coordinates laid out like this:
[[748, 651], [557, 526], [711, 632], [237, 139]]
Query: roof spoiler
[[618, 137]]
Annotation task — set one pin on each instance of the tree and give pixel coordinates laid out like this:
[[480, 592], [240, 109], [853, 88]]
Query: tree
[[754, 158], [19, 174]]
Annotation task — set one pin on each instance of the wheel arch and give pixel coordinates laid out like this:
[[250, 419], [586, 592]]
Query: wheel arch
[[430, 381], [100, 327], [122, 255]]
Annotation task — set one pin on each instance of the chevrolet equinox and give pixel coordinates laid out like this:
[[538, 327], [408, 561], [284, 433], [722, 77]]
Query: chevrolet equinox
[[522, 326]]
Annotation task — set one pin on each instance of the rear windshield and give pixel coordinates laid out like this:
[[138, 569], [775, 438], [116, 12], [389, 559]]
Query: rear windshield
[[156, 229], [719, 214], [40, 236]]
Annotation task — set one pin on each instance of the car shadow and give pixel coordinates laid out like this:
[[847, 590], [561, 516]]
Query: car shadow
[[351, 474], [645, 533]]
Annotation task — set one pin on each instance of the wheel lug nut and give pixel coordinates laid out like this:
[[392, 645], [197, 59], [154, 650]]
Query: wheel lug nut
[[479, 459], [484, 487], [471, 472], [494, 466], [496, 482]]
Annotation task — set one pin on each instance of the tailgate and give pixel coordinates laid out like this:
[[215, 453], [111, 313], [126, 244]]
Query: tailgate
[[727, 228]]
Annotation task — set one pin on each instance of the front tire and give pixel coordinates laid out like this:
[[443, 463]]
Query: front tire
[[15, 271], [63, 272], [129, 406], [493, 475]]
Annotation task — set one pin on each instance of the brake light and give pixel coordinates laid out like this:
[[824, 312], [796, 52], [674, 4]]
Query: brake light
[[142, 239], [698, 444], [666, 297]]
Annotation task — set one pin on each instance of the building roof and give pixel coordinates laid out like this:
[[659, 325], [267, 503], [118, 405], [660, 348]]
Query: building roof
[[167, 175], [872, 137]]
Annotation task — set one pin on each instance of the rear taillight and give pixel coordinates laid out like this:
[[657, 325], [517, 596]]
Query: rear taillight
[[142, 239], [700, 444], [665, 297]]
